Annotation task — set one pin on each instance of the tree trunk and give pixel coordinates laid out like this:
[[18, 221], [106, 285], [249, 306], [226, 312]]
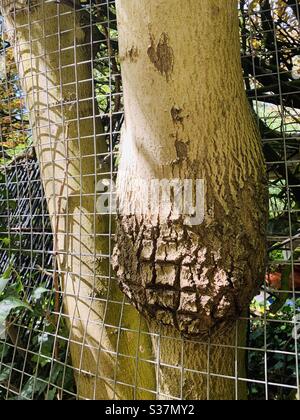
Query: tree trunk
[[187, 118], [54, 57]]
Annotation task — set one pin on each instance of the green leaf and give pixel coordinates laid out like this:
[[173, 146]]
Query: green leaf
[[12, 204], [3, 284], [37, 293], [2, 331], [4, 349], [51, 394], [33, 386], [8, 304], [4, 279], [279, 366], [5, 373], [5, 241], [41, 360]]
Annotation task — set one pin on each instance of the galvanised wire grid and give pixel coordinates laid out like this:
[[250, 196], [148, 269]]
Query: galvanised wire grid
[[35, 359]]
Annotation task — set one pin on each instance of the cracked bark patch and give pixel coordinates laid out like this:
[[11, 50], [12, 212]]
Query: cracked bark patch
[[177, 276]]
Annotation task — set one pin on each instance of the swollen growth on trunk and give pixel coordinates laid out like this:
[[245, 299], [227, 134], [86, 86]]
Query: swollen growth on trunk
[[190, 249]]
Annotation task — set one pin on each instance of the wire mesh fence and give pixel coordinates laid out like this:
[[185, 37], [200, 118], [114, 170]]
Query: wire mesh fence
[[61, 82]]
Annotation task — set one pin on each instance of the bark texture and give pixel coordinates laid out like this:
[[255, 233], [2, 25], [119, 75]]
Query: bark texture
[[187, 117], [54, 57]]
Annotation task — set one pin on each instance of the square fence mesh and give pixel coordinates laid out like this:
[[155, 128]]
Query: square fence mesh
[[40, 358]]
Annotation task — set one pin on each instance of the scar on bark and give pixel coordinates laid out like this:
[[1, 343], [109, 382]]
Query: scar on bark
[[132, 54], [176, 114], [162, 55], [181, 149], [215, 10]]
